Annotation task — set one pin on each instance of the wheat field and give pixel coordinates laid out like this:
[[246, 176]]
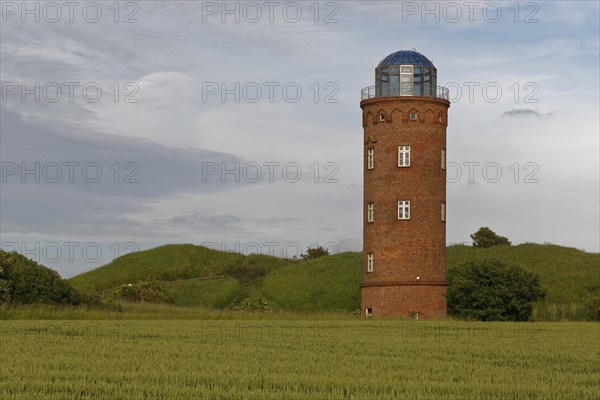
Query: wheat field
[[276, 359]]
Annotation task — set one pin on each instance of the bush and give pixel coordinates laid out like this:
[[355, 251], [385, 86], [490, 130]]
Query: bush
[[490, 290], [148, 290], [592, 303], [23, 281], [312, 253], [485, 237], [259, 306]]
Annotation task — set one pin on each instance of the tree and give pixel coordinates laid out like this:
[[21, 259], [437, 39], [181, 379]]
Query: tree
[[315, 252], [490, 290], [485, 237], [23, 281], [5, 288]]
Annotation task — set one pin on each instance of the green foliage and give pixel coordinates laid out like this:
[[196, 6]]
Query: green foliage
[[485, 237], [5, 291], [493, 291], [23, 281], [148, 290], [314, 253], [591, 303], [257, 306]]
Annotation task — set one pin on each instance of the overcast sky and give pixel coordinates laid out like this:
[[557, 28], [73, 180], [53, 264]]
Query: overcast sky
[[139, 110]]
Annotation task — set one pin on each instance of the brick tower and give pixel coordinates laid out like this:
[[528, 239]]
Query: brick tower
[[404, 228]]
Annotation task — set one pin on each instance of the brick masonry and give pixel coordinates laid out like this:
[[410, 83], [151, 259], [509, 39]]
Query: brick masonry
[[409, 255]]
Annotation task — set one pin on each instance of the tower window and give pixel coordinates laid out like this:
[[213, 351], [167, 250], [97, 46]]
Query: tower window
[[404, 209], [371, 158], [370, 262], [370, 212], [369, 312], [443, 212], [381, 118], [413, 116], [443, 158], [404, 156]]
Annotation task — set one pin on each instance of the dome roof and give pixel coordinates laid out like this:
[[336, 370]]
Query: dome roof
[[406, 57]]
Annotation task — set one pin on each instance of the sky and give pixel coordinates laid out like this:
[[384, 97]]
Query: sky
[[237, 125]]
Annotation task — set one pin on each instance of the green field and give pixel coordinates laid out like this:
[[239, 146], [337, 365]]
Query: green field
[[297, 359]]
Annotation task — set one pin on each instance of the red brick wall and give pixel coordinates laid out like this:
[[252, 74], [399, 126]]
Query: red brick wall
[[402, 300], [405, 249]]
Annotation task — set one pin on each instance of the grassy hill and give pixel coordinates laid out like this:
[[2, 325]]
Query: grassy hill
[[170, 263], [325, 284]]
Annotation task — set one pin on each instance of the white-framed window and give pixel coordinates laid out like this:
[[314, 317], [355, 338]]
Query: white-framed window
[[381, 118], [443, 159], [404, 209], [370, 158], [369, 312], [370, 262], [412, 116], [443, 212], [370, 212], [404, 156]]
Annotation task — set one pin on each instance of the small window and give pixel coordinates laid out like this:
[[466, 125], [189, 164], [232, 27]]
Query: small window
[[370, 212], [370, 262], [404, 156], [443, 212], [381, 118], [443, 159], [440, 119], [413, 116], [404, 209], [407, 69], [371, 158], [369, 312]]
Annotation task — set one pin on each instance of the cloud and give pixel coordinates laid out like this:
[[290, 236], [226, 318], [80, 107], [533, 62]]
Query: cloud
[[525, 113], [210, 221], [55, 179]]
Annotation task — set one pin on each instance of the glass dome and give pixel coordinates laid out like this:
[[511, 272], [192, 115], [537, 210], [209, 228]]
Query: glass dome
[[405, 73], [406, 57]]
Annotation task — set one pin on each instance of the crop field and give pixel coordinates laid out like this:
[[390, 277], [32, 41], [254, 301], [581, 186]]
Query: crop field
[[297, 359]]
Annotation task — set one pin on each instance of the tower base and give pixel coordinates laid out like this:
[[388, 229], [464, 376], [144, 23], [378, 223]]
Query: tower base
[[421, 300]]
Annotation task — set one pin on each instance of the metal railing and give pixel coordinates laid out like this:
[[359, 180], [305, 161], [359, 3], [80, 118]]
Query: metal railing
[[404, 89]]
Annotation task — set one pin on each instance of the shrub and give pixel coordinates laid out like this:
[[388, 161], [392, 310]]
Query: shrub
[[490, 290], [23, 281], [259, 306], [312, 253], [485, 237], [149, 290]]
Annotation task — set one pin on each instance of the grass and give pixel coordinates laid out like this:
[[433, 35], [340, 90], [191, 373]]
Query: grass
[[330, 284], [169, 263], [298, 359]]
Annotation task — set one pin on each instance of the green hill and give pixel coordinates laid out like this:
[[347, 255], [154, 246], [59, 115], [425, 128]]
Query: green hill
[[325, 284], [173, 262]]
